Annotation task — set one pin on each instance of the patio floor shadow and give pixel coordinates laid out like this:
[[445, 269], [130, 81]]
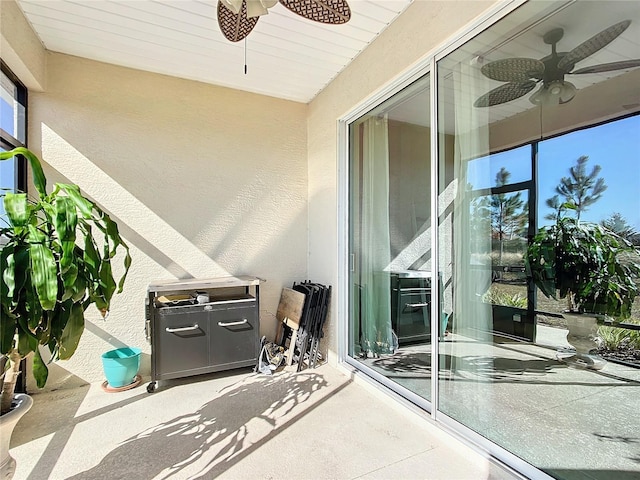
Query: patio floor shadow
[[311, 424]]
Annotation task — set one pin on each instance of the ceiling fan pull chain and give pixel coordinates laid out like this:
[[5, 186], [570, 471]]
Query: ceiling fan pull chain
[[245, 55]]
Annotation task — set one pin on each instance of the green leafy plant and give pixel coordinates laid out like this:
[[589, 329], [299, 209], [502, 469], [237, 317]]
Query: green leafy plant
[[592, 267], [612, 338], [506, 299], [55, 258]]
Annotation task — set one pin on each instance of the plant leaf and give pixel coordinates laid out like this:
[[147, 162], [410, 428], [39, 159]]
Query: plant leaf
[[39, 180], [27, 341], [17, 208], [34, 308], [15, 274], [85, 205], [66, 221], [107, 283], [72, 332], [44, 270], [69, 282], [40, 370], [7, 319]]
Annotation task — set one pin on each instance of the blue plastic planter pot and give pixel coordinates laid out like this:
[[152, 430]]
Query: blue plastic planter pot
[[121, 366]]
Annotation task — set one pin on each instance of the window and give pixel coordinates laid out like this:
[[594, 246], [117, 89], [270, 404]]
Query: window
[[13, 131]]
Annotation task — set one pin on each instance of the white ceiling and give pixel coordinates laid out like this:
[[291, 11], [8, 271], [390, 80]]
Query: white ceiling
[[288, 56]]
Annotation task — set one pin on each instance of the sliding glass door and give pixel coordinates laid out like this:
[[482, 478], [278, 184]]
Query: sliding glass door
[[534, 136], [536, 148], [390, 239]]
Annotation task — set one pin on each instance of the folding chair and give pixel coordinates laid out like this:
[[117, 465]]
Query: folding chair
[[289, 315]]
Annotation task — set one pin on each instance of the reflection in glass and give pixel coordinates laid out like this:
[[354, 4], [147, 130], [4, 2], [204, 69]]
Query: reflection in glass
[[500, 373], [390, 239]]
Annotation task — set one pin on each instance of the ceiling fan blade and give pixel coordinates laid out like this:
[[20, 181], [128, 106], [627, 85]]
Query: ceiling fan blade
[[334, 12], [505, 93], [235, 27], [591, 46], [514, 69], [608, 67]]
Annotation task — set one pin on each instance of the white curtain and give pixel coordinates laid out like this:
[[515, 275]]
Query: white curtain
[[375, 302], [472, 271]]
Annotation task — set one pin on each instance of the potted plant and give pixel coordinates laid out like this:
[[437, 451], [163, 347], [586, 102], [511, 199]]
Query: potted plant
[[591, 267], [55, 257]]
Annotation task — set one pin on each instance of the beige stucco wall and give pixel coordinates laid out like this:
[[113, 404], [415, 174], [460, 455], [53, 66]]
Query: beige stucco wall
[[424, 26], [203, 181]]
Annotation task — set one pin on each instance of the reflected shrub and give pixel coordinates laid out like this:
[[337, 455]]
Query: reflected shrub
[[496, 297], [615, 339]]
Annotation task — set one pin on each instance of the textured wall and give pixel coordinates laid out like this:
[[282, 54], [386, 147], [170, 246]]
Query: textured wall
[[421, 28], [203, 181]]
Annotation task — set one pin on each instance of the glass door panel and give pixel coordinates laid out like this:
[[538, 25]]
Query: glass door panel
[[517, 387], [390, 239]]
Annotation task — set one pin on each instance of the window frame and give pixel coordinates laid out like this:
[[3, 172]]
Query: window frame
[[8, 141]]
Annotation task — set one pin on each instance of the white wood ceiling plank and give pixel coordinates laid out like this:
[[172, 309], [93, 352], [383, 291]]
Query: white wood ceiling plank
[[393, 6], [291, 22], [256, 60], [304, 40], [130, 28], [286, 49], [110, 21], [380, 10], [190, 8], [288, 56], [86, 34]]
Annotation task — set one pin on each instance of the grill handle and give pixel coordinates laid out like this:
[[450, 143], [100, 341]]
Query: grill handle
[[181, 329], [232, 324]]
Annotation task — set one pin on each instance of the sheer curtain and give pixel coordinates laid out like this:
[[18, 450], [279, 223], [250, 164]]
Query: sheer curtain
[[472, 270], [375, 302]]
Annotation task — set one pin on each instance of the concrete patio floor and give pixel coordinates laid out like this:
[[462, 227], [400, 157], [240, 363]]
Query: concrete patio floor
[[313, 424]]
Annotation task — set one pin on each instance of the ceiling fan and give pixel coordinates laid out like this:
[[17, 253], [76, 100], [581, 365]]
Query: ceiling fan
[[237, 18], [523, 74]]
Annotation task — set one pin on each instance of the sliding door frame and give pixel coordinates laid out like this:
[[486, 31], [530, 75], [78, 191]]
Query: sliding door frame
[[427, 65]]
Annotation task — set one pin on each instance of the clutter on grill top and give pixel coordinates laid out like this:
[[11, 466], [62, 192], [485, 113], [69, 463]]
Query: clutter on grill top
[[182, 299]]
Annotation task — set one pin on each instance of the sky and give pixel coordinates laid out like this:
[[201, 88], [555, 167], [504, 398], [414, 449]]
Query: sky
[[614, 146]]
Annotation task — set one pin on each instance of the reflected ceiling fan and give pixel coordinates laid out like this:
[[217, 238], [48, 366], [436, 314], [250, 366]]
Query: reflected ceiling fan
[[237, 18], [523, 74]]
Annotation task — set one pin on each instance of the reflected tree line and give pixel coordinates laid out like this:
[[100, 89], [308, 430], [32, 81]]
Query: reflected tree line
[[504, 217]]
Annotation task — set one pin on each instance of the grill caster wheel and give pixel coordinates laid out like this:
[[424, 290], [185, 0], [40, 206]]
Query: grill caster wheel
[[151, 387]]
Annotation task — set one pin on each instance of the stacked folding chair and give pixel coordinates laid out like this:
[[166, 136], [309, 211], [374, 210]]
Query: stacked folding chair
[[304, 345]]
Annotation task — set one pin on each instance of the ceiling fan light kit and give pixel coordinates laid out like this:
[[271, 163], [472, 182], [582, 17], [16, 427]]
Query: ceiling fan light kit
[[556, 93], [523, 74], [237, 18], [255, 8]]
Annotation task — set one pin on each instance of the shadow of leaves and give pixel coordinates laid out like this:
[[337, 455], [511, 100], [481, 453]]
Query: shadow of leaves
[[208, 440]]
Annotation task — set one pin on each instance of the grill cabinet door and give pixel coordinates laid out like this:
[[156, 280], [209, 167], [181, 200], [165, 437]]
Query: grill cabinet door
[[234, 335], [182, 340]]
